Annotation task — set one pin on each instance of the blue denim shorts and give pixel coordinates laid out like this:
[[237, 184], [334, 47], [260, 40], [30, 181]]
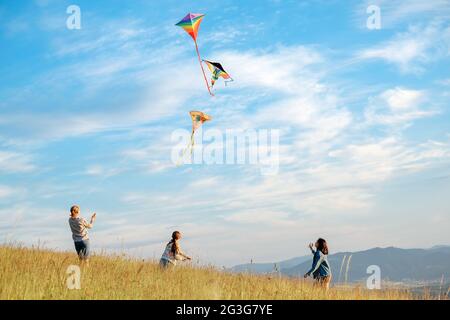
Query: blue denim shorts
[[82, 248], [163, 263]]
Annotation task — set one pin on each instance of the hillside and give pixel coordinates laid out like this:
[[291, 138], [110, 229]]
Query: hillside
[[398, 265], [270, 266], [41, 274], [406, 265]]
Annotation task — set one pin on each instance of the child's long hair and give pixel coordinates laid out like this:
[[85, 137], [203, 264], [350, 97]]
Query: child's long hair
[[323, 247], [174, 242]]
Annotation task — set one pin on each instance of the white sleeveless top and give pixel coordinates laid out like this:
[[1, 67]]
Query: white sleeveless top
[[169, 256]]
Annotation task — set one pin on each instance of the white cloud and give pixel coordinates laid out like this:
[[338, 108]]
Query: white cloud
[[6, 191], [258, 216], [401, 99], [398, 106], [94, 170], [300, 102], [117, 35], [412, 50], [381, 160], [157, 101], [273, 69], [444, 82], [153, 154], [13, 162], [206, 183], [102, 171], [16, 25]]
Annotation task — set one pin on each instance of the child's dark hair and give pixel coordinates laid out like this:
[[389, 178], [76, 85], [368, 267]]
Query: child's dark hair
[[323, 247], [175, 235]]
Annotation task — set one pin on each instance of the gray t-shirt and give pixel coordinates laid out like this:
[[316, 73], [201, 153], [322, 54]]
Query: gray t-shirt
[[79, 228]]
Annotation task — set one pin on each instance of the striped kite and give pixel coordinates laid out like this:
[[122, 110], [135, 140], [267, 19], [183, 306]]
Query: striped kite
[[190, 24], [217, 72]]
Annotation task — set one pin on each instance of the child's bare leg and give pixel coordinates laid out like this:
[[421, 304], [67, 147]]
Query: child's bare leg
[[326, 283]]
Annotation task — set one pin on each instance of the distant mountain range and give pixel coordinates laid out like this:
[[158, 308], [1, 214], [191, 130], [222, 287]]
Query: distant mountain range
[[396, 265]]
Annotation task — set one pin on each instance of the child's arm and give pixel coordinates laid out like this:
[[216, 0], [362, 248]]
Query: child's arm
[[91, 223], [182, 255]]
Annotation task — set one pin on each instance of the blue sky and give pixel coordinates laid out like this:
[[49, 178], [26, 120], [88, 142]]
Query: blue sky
[[86, 117]]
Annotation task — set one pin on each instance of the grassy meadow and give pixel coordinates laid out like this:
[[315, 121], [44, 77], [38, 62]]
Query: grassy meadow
[[35, 273]]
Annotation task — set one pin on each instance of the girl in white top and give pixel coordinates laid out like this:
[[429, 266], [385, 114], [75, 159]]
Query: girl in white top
[[173, 252]]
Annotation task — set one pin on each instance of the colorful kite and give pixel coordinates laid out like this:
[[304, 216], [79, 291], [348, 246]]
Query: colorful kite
[[198, 118], [190, 24], [217, 72]]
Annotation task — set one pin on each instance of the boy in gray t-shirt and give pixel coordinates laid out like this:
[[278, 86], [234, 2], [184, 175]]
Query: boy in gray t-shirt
[[79, 227]]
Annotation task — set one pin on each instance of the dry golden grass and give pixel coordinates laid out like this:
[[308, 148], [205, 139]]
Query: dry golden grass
[[41, 274]]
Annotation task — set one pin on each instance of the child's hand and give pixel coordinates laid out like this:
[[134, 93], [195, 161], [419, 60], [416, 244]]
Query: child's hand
[[93, 217], [311, 245]]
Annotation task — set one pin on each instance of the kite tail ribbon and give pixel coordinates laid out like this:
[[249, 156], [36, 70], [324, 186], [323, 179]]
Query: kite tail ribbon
[[201, 66], [189, 146], [192, 142], [230, 80]]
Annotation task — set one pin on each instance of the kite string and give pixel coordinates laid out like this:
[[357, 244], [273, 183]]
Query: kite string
[[201, 66]]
